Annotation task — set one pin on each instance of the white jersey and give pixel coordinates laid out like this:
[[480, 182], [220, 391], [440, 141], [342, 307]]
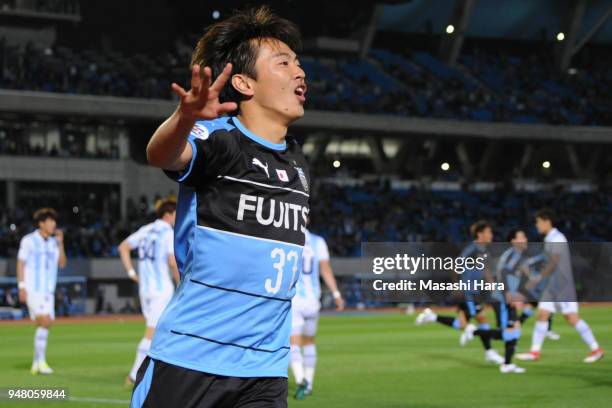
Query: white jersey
[[155, 244], [308, 286], [41, 257], [561, 287]]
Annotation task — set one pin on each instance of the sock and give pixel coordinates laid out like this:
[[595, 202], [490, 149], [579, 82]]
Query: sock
[[510, 347], [310, 362], [526, 314], [297, 364], [449, 321], [486, 340], [489, 333], [40, 344], [550, 320], [587, 335], [539, 332], [141, 354]]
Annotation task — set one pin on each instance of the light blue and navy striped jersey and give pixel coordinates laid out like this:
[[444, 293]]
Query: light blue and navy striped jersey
[[40, 257], [508, 268], [239, 234], [474, 250]]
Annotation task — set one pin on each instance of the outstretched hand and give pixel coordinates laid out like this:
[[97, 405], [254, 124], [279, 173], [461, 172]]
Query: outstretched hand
[[339, 304], [202, 100]]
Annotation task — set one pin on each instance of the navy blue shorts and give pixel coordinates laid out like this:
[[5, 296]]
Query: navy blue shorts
[[164, 385]]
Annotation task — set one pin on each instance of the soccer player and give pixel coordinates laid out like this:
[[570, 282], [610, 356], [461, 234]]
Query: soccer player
[[305, 311], [560, 293], [223, 340], [531, 266], [482, 234], [508, 325], [155, 245], [40, 254]]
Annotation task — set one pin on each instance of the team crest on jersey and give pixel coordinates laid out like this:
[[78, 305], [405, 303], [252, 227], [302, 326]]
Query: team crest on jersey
[[282, 175], [200, 131], [302, 178]]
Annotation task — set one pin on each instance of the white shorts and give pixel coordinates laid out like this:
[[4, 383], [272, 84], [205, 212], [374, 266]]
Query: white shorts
[[304, 318], [153, 306], [41, 304], [563, 307]]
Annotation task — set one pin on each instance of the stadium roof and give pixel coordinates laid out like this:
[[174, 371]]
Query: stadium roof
[[509, 19]]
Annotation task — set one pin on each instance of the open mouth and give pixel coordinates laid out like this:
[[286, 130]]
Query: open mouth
[[300, 92]]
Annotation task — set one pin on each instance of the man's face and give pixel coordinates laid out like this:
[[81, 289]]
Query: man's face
[[48, 226], [520, 240], [280, 86], [172, 218], [485, 236], [543, 226]]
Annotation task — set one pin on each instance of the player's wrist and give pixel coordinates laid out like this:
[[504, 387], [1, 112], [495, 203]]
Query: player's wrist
[[132, 273], [21, 285], [186, 116], [336, 294]]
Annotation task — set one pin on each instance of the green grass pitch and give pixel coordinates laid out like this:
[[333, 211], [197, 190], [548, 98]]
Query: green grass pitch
[[364, 361]]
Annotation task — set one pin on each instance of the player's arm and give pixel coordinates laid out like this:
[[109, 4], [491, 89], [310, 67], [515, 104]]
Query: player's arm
[[174, 268], [59, 237], [553, 261], [547, 270], [330, 280], [488, 275], [25, 249], [23, 295], [168, 148], [530, 262], [503, 272], [125, 250]]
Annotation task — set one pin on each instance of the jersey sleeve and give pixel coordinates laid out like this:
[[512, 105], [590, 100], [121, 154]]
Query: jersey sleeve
[[556, 244], [25, 247], [501, 264], [213, 148], [322, 250], [134, 239], [170, 243]]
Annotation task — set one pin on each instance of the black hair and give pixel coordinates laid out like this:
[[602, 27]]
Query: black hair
[[547, 214], [163, 207], [43, 214], [513, 232], [478, 227]]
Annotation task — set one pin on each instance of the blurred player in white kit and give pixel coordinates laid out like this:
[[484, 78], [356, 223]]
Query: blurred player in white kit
[[560, 293], [305, 308], [40, 254], [156, 263]]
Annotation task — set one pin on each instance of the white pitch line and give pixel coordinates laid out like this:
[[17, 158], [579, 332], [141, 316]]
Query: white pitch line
[[100, 400]]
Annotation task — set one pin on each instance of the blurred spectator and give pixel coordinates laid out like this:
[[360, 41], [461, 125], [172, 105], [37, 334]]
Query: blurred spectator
[[484, 87], [347, 216]]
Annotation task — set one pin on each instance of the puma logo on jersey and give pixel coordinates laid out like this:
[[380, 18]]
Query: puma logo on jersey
[[257, 162], [279, 214]]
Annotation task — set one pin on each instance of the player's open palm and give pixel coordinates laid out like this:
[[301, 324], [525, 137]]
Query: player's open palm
[[202, 100]]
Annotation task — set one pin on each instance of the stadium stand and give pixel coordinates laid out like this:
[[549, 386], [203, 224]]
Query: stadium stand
[[484, 87], [342, 214]]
